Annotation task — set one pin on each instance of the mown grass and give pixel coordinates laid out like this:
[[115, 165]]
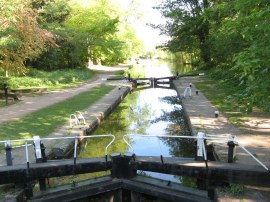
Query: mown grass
[[45, 121], [53, 80], [221, 96]]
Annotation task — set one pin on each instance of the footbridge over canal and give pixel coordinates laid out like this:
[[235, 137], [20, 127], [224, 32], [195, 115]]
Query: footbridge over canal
[[123, 172]]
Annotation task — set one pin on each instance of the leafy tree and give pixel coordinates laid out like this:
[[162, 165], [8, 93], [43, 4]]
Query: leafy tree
[[254, 59], [85, 30], [52, 15], [100, 33], [187, 26], [239, 42], [21, 37]]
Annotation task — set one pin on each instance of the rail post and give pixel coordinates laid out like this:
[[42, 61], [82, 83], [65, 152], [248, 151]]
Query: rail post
[[28, 190], [40, 157], [6, 92], [37, 149], [211, 190], [153, 82], [177, 75], [8, 149], [200, 142], [121, 166], [43, 152], [231, 149]]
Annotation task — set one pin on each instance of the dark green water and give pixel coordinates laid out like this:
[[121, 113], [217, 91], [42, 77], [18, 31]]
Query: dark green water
[[153, 111]]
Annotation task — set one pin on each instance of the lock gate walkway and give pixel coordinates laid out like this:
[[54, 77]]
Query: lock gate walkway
[[125, 168], [216, 171]]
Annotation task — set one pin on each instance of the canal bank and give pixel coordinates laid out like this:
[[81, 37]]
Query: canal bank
[[93, 117], [202, 118]]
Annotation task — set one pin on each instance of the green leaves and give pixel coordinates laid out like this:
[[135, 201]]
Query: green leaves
[[21, 37], [188, 27]]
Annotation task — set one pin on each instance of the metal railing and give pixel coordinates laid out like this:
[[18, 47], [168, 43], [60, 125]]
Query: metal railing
[[201, 139], [76, 138], [76, 119], [201, 148]]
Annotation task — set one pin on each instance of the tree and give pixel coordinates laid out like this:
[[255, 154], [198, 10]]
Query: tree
[[52, 15], [101, 33], [187, 26], [239, 42], [21, 37], [89, 29], [253, 62]]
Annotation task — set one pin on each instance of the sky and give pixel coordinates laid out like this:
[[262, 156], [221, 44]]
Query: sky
[[150, 37], [142, 13]]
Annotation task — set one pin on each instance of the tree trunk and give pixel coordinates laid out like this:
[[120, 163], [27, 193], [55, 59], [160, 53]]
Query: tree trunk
[[204, 39]]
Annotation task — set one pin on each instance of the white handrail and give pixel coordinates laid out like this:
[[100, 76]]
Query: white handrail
[[165, 136], [73, 119], [80, 117], [258, 161], [59, 138], [207, 137]]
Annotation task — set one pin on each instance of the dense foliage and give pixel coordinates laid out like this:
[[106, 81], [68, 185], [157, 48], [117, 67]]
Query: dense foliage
[[21, 37], [57, 34], [229, 37]]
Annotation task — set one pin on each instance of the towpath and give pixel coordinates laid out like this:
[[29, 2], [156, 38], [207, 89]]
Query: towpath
[[253, 134], [28, 104], [93, 115]]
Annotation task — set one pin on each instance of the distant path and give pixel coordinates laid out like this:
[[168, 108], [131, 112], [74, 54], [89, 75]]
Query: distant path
[[31, 104]]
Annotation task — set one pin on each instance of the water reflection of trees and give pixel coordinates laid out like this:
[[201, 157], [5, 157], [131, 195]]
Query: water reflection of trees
[[177, 147], [178, 126], [127, 118]]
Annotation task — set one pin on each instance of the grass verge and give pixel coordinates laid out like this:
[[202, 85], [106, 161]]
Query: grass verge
[[222, 98], [45, 121]]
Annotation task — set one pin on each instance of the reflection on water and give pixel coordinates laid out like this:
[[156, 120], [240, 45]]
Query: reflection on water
[[148, 112]]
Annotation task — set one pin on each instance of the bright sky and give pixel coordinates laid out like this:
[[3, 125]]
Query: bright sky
[[147, 14], [144, 14], [151, 36]]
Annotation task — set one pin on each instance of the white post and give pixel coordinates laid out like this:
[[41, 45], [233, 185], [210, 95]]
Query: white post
[[26, 153], [187, 90], [37, 147], [200, 144]]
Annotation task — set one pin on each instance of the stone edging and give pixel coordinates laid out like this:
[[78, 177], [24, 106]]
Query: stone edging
[[94, 115]]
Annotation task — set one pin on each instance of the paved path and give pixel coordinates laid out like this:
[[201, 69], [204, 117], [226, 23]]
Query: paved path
[[31, 104], [93, 115], [255, 137]]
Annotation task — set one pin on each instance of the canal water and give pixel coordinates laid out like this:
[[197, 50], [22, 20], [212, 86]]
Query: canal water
[[152, 111]]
